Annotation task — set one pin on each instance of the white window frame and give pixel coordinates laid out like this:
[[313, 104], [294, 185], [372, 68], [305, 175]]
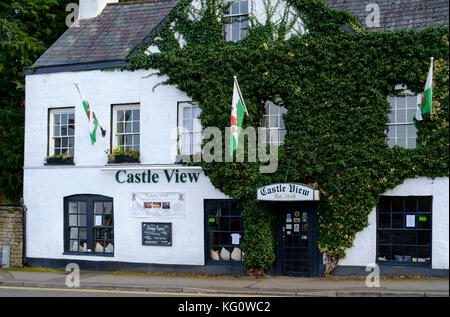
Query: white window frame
[[400, 119], [183, 132], [273, 123], [52, 137], [228, 28], [115, 109]]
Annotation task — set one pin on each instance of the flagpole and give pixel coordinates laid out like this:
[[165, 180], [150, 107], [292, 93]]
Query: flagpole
[[240, 94], [81, 97]]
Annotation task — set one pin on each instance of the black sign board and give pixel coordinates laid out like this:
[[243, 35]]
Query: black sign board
[[157, 234]]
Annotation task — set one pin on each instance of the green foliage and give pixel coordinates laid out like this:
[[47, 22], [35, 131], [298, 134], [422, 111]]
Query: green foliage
[[334, 86], [27, 28]]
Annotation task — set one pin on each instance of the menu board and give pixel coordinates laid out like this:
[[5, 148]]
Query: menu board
[[157, 234]]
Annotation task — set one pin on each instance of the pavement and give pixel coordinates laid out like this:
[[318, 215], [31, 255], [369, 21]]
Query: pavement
[[230, 285]]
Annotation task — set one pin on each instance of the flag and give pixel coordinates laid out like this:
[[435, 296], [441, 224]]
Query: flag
[[425, 99], [237, 116], [93, 122], [92, 119]]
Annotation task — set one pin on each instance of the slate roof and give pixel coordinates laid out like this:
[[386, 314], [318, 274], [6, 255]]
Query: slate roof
[[109, 36], [107, 39], [398, 14]]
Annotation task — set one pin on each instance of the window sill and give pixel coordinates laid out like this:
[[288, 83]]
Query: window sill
[[59, 161], [224, 262], [110, 255], [408, 264]]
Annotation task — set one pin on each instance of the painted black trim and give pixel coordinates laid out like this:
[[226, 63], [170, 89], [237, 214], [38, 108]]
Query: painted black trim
[[316, 267], [403, 264], [75, 67], [89, 199], [137, 267], [208, 261], [387, 270]]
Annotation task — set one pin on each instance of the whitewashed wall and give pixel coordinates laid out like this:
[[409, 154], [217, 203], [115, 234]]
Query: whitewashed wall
[[46, 186], [363, 251]]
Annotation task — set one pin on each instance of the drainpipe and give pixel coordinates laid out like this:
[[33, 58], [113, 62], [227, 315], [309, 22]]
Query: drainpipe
[[24, 232]]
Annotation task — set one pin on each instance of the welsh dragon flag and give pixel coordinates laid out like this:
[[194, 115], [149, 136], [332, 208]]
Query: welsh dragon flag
[[93, 122], [425, 99], [237, 117], [92, 118]]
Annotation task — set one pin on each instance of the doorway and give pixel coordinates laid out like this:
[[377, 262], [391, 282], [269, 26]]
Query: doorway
[[297, 251]]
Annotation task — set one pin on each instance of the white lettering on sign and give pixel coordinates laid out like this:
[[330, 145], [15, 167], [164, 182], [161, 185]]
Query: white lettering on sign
[[287, 192]]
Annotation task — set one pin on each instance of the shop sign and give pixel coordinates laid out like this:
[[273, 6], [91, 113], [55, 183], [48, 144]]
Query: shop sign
[[157, 204], [287, 192], [148, 176]]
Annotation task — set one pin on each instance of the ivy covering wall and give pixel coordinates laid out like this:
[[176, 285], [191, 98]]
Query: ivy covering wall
[[334, 85]]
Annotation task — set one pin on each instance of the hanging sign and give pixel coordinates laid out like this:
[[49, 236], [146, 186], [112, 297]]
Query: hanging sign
[[287, 192]]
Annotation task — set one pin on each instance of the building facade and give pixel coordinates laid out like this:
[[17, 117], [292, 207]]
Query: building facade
[[148, 212]]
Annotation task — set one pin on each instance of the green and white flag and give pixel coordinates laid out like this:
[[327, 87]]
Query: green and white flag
[[237, 116], [425, 99], [92, 118]]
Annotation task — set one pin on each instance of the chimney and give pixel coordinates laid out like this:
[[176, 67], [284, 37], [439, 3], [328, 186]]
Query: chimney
[[89, 9]]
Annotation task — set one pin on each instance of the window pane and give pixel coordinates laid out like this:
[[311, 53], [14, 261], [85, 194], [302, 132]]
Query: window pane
[[82, 207], [136, 127], [56, 131], [397, 237], [127, 115], [384, 253], [98, 207], [73, 233], [384, 237], [235, 8], [72, 118], [107, 207], [57, 142], [73, 207], [401, 102], [385, 221], [244, 7], [64, 119], [83, 233], [136, 115], [82, 220], [73, 221], [398, 221], [424, 237], [128, 127], [424, 221], [397, 204], [120, 127], [424, 204], [136, 140], [57, 119], [410, 237], [120, 115]]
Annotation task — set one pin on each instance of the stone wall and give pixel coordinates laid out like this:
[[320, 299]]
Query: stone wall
[[11, 233]]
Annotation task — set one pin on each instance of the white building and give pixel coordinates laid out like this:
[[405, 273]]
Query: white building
[[155, 214]]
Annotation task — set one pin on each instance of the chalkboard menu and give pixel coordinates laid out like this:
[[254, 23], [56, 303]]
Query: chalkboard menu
[[157, 234]]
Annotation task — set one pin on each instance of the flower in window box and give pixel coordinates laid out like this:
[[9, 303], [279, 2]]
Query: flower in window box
[[120, 156], [59, 159]]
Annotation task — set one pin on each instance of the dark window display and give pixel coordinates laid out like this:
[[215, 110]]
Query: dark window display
[[224, 231], [404, 230]]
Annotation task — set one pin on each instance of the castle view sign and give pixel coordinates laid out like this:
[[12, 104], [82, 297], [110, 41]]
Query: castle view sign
[[287, 192]]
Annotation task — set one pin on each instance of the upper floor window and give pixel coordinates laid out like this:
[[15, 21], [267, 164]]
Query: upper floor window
[[274, 124], [126, 127], [401, 130], [237, 28], [190, 128], [62, 132]]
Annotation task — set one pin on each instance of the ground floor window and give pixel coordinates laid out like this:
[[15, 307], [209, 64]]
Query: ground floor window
[[88, 225], [224, 231], [404, 230]]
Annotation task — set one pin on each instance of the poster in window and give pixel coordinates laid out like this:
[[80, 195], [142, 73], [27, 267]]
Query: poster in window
[[157, 204]]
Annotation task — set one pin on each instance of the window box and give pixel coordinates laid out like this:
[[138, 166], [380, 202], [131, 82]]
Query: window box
[[119, 156], [123, 159], [59, 160]]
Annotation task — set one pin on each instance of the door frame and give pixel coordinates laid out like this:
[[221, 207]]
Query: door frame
[[315, 257]]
